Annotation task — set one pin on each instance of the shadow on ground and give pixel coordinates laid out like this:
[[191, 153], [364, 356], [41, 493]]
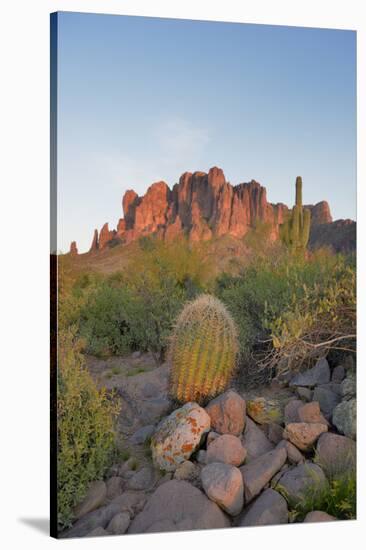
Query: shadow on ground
[[40, 524]]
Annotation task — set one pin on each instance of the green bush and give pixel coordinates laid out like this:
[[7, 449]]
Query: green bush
[[105, 321], [322, 319], [338, 498], [265, 289], [85, 427]]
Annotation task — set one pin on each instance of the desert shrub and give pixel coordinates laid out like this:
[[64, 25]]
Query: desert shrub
[[105, 320], [323, 318], [337, 498], [203, 350], [265, 292], [85, 427], [161, 277]]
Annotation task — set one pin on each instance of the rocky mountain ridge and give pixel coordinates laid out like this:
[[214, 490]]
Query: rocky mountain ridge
[[202, 206]]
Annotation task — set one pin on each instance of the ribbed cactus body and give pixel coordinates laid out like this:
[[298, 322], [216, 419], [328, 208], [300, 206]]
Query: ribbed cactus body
[[295, 231], [203, 350]]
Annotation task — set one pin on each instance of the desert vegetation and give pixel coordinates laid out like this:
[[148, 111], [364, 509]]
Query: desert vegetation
[[272, 314]]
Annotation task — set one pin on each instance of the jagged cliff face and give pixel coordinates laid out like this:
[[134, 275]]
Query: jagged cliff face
[[201, 206]]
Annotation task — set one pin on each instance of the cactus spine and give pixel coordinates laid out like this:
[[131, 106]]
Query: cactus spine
[[295, 231], [203, 350]]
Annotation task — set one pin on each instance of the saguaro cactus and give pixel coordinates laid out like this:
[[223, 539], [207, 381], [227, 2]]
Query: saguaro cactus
[[203, 350], [296, 229]]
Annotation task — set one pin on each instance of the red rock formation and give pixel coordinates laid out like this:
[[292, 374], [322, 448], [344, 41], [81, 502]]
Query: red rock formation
[[320, 213], [201, 206], [95, 242], [105, 236], [73, 249]]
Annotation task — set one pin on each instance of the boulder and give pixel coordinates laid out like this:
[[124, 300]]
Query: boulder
[[94, 498], [227, 413], [303, 435], [319, 374], [178, 436], [223, 484], [260, 471], [201, 456], [270, 508], [178, 506], [114, 487], [228, 449], [311, 413], [338, 374], [142, 435], [131, 502], [305, 394], [264, 411], [293, 454], [344, 418], [274, 433], [141, 480], [327, 399], [317, 516], [255, 441], [97, 532], [299, 482], [119, 523], [291, 411], [348, 386], [336, 454]]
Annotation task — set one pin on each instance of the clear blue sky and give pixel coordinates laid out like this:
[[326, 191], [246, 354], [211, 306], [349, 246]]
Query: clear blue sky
[[145, 99]]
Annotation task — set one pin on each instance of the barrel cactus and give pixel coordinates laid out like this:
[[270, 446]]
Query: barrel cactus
[[203, 350]]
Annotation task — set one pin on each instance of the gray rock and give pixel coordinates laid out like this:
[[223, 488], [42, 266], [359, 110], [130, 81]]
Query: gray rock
[[291, 411], [299, 482], [114, 487], [178, 436], [178, 506], [227, 413], [127, 502], [141, 480], [348, 386], [201, 457], [166, 477], [270, 508], [136, 354], [255, 441], [304, 393], [97, 532], [319, 374], [344, 418], [317, 516], [119, 523], [228, 449], [142, 435], [293, 454], [327, 399], [260, 471], [338, 373], [223, 484], [274, 433], [94, 498], [336, 454]]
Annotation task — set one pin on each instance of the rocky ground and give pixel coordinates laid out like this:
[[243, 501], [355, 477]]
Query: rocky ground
[[245, 459]]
